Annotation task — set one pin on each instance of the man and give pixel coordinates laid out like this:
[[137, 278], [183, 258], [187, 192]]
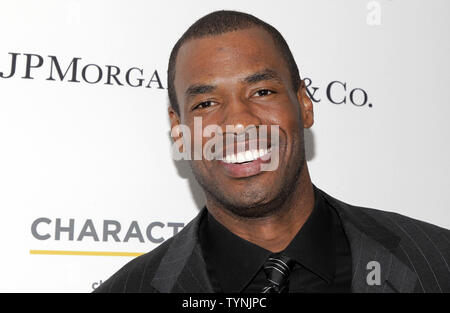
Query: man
[[270, 231]]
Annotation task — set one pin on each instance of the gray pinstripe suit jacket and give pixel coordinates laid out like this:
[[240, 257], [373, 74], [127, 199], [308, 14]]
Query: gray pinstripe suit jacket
[[414, 256]]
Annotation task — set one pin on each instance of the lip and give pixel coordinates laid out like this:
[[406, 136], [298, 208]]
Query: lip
[[244, 146], [247, 169]]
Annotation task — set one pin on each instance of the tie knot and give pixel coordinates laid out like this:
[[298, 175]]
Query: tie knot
[[277, 268]]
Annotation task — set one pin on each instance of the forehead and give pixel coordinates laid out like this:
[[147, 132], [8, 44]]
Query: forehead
[[226, 57]]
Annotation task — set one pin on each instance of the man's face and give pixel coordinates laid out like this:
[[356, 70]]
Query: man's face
[[227, 92]]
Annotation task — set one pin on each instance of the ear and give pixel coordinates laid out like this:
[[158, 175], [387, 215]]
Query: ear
[[175, 132], [306, 106]]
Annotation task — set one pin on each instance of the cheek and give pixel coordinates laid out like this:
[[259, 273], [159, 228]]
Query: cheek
[[290, 131], [198, 143], [288, 119], [285, 112]]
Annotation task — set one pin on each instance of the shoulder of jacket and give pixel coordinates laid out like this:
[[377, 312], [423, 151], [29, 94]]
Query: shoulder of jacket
[[143, 265], [137, 273]]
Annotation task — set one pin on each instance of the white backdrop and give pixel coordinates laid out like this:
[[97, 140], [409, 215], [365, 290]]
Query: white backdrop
[[79, 157]]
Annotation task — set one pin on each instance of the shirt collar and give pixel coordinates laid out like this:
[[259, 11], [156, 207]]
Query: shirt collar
[[235, 261], [314, 245]]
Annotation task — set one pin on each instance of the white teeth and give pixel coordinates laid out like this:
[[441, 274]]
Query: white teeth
[[247, 156]]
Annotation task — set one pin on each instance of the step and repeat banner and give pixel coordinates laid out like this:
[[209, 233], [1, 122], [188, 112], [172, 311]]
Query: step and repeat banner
[[87, 181]]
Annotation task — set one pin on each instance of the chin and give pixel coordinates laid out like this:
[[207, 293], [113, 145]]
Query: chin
[[251, 204], [253, 212]]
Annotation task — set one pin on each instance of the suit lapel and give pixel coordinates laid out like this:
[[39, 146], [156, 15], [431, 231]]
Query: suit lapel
[[370, 241], [183, 269]]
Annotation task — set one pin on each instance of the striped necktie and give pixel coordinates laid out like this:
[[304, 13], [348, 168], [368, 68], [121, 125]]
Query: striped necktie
[[277, 268]]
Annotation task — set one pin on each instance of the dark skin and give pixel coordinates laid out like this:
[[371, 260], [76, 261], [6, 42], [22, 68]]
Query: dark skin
[[269, 208]]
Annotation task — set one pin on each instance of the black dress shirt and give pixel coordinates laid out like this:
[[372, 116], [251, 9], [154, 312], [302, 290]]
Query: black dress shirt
[[320, 249]]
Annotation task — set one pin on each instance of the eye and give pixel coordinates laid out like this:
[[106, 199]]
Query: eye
[[264, 92], [203, 105]]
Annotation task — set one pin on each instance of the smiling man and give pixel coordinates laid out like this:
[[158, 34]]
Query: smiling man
[[269, 230]]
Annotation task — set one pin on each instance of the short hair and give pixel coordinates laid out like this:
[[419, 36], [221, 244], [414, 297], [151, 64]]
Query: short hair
[[220, 22]]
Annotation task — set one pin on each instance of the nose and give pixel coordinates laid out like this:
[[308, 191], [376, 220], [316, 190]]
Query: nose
[[239, 116]]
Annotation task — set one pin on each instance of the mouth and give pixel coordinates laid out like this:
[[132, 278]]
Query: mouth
[[246, 156], [246, 163]]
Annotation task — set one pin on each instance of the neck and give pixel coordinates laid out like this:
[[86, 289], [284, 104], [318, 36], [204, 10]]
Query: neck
[[275, 232]]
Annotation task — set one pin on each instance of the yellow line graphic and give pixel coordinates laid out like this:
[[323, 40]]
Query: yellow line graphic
[[93, 253]]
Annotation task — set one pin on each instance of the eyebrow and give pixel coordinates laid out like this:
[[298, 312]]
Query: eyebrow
[[266, 74], [263, 75], [197, 89]]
